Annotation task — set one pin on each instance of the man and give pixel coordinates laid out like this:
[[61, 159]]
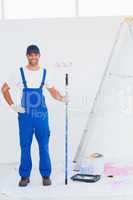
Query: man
[[32, 114]]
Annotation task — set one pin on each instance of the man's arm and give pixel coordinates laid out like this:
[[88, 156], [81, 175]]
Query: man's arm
[[6, 93], [55, 94], [7, 96]]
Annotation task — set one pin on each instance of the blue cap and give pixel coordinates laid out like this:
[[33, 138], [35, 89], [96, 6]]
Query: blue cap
[[32, 49]]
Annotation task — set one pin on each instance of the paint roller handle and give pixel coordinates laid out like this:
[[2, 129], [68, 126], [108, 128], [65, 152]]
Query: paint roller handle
[[66, 131], [66, 79]]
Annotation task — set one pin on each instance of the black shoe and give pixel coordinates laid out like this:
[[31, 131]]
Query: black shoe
[[46, 181], [24, 181]]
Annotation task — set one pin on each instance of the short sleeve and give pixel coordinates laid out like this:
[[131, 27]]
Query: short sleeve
[[14, 80], [49, 83]]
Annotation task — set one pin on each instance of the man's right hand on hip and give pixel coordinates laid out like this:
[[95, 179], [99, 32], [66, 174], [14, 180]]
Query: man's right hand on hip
[[17, 109]]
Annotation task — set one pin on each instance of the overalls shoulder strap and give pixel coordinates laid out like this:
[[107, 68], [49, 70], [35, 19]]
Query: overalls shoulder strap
[[43, 78], [23, 77]]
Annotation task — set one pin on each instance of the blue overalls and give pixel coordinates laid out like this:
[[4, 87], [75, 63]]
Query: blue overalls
[[34, 120]]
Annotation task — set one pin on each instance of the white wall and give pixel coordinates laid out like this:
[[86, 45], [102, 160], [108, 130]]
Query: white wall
[[86, 42]]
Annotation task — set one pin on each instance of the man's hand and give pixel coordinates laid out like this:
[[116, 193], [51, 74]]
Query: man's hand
[[65, 99], [6, 93], [17, 109]]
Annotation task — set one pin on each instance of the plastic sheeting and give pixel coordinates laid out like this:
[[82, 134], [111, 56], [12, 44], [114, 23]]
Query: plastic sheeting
[[118, 187]]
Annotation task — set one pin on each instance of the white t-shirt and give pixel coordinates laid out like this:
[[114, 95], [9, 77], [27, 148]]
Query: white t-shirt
[[33, 79]]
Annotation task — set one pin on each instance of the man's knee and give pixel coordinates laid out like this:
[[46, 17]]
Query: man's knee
[[25, 146]]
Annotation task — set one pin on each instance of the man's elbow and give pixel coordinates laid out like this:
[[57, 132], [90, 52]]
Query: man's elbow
[[4, 88]]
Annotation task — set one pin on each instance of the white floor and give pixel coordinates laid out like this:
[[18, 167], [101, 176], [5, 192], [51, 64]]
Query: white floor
[[114, 189]]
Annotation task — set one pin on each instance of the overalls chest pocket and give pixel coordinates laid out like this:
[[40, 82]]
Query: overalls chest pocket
[[33, 98]]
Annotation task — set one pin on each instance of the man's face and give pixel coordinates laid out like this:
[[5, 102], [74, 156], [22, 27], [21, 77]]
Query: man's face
[[33, 58]]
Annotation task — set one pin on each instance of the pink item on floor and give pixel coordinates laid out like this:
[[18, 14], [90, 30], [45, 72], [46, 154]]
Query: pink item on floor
[[117, 169]]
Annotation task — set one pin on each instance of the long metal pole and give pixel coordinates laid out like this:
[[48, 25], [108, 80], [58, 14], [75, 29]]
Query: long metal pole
[[66, 130]]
